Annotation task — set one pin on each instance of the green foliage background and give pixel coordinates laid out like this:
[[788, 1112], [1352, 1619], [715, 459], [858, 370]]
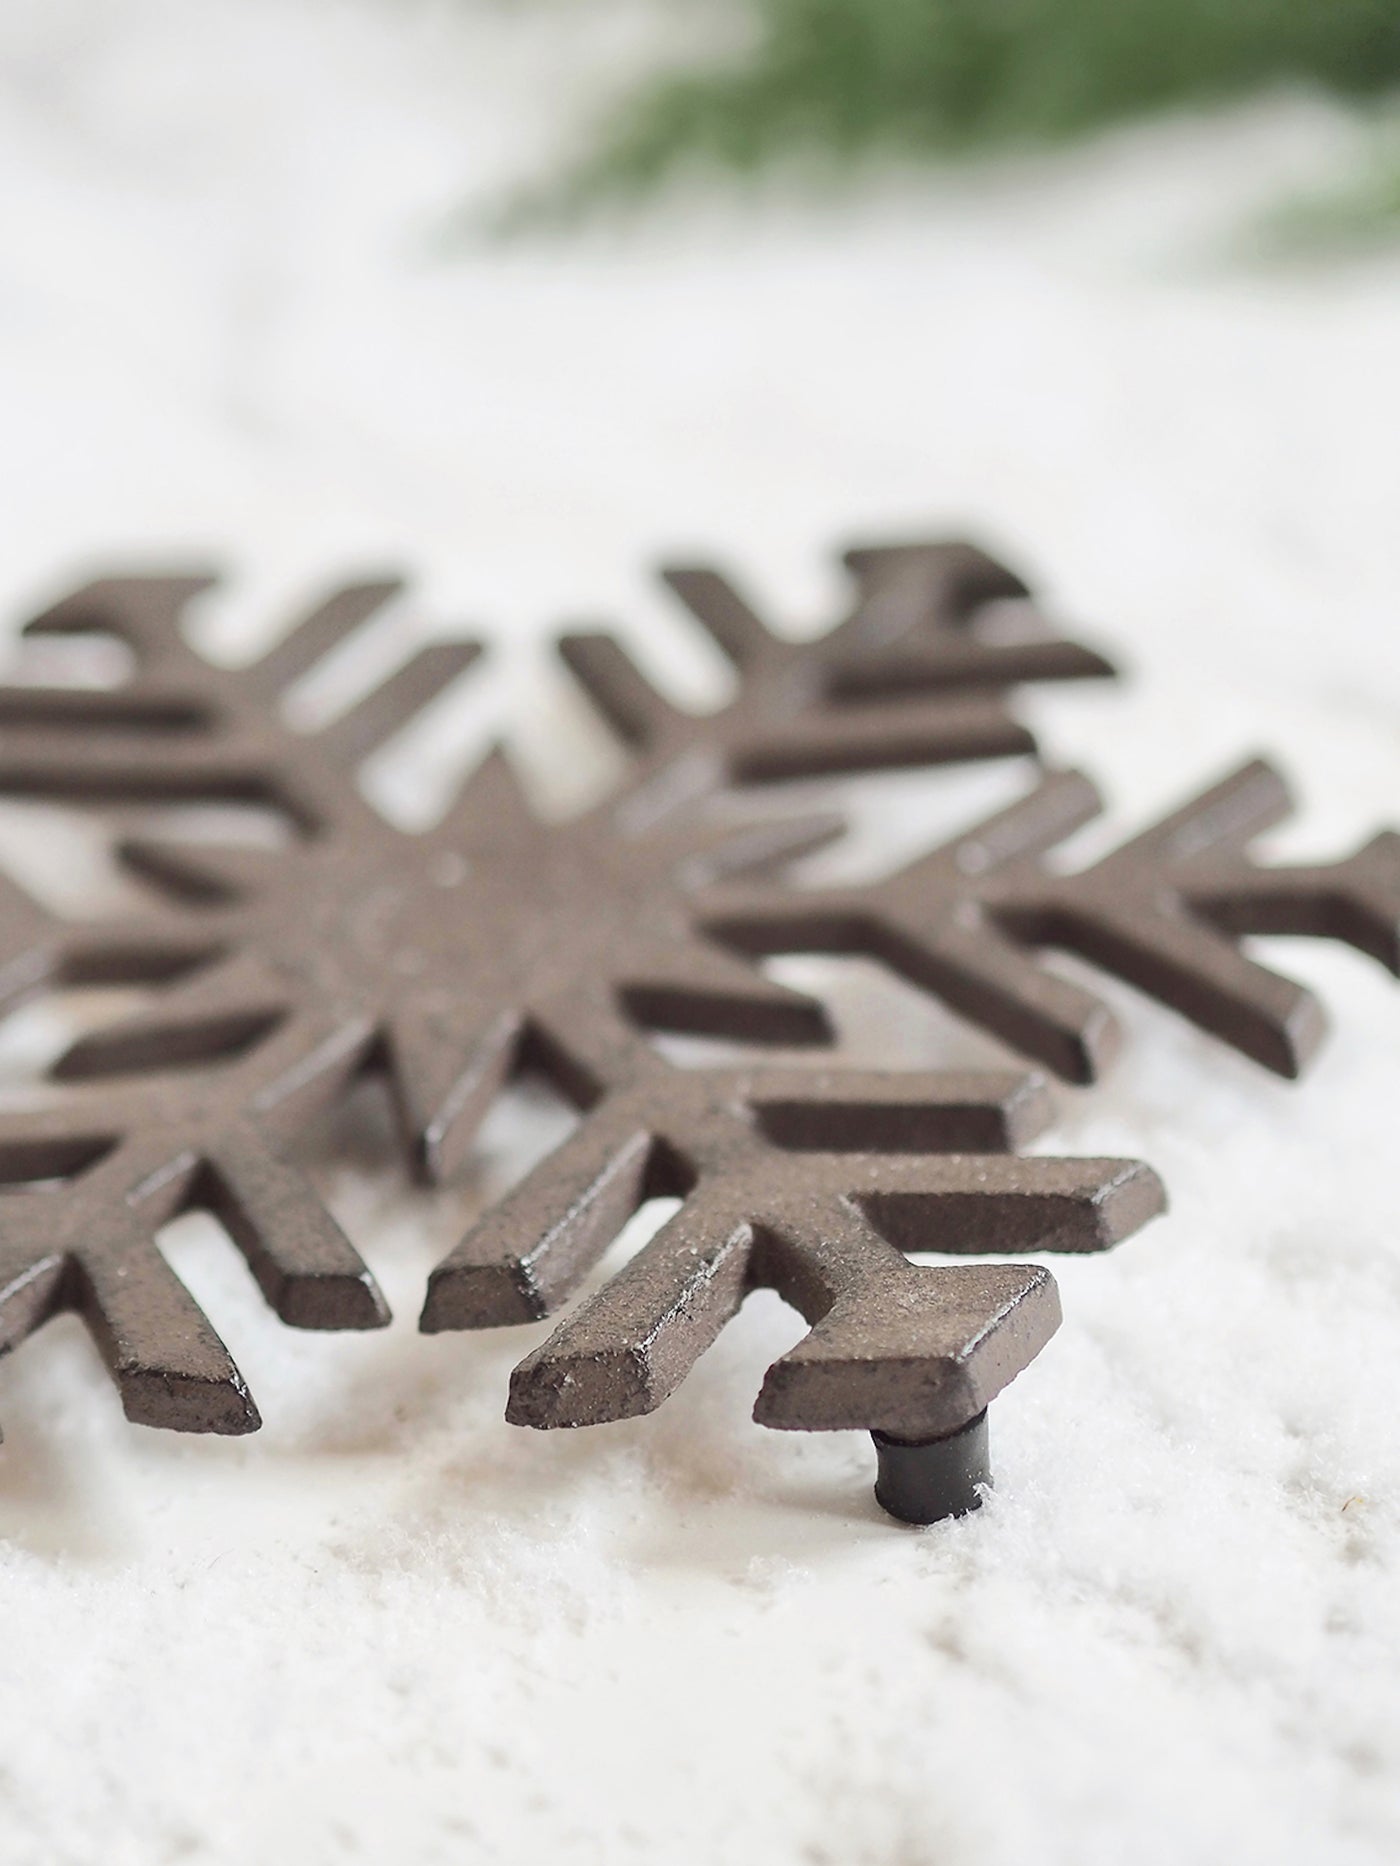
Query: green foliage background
[[837, 81]]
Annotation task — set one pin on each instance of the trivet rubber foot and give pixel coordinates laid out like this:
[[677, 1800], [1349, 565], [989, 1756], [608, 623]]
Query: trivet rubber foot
[[941, 1477]]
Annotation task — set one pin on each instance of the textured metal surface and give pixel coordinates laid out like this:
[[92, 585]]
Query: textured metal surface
[[450, 959], [1165, 912], [811, 1183], [445, 958], [275, 979]]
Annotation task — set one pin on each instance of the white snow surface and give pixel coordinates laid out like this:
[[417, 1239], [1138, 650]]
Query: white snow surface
[[389, 1626]]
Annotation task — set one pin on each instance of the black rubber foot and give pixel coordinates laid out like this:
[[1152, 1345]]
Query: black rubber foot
[[924, 1483]]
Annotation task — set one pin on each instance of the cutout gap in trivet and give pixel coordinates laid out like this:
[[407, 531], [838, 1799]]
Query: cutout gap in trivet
[[634, 1236], [93, 661], [880, 1022], [38, 1032]]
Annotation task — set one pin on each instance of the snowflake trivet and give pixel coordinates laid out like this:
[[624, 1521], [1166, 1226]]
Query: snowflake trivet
[[449, 959]]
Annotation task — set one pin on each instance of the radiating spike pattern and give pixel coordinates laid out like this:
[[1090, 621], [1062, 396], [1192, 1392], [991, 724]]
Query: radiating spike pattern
[[968, 923], [450, 958], [812, 1183], [274, 975]]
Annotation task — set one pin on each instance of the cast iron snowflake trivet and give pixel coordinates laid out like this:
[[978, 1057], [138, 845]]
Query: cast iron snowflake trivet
[[449, 958]]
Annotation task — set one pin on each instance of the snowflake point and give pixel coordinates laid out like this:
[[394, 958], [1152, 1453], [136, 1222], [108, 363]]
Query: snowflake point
[[481, 1295], [594, 1386], [187, 1402], [919, 1363]]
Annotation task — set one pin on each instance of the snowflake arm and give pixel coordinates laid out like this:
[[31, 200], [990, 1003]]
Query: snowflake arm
[[1165, 913], [814, 1184]]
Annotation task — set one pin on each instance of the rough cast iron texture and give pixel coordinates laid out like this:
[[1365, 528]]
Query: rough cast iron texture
[[451, 958], [1165, 912], [963, 923], [441, 958]]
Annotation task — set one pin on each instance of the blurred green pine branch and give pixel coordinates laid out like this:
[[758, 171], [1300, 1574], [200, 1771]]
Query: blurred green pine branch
[[1355, 211], [842, 80]]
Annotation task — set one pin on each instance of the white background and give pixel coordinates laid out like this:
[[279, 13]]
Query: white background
[[391, 1627]]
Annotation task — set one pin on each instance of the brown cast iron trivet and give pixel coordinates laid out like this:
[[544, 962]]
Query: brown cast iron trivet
[[279, 977], [448, 958]]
